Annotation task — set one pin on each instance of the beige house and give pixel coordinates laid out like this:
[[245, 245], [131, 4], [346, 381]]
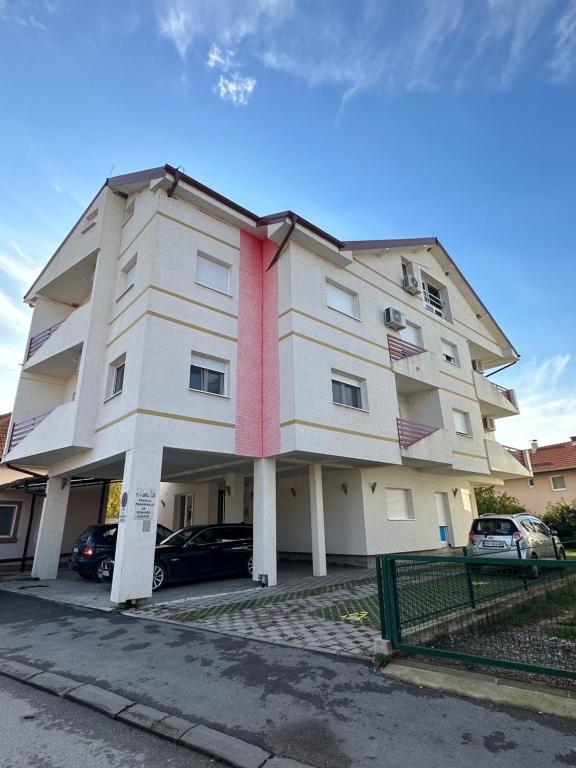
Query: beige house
[[554, 468]]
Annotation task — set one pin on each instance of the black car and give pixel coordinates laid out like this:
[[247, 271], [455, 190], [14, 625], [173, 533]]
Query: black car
[[200, 551], [96, 545]]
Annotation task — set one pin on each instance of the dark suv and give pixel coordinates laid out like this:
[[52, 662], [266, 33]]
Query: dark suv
[[96, 544]]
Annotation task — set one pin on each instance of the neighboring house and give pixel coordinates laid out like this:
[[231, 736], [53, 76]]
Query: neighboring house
[[242, 368], [554, 468]]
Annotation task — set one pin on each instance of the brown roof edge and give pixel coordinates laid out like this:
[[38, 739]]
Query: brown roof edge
[[273, 218]]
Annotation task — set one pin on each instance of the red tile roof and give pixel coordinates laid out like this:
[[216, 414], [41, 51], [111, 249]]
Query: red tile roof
[[4, 424], [549, 458]]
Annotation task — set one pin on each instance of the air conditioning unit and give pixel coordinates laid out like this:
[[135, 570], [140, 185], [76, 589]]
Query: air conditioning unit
[[411, 284], [478, 365], [394, 319], [488, 423]]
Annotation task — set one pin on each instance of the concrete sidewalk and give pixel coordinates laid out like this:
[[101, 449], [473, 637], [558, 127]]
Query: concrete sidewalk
[[319, 709]]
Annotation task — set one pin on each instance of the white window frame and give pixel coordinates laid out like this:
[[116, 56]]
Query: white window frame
[[438, 305], [466, 416], [128, 275], [452, 359], [331, 284], [351, 381], [553, 477], [201, 256], [416, 330], [112, 381], [10, 537], [209, 363], [389, 502]]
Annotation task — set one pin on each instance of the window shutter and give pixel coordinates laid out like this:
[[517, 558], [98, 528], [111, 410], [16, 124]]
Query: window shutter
[[398, 504], [208, 362], [460, 422], [411, 334], [340, 299], [212, 274]]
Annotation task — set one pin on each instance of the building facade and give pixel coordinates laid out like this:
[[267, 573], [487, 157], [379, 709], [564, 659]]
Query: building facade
[[227, 366], [554, 479]]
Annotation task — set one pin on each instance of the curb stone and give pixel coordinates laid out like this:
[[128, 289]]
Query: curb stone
[[216, 744]]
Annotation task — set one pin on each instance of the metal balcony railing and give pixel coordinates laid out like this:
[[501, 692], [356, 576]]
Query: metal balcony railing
[[399, 349], [409, 432], [22, 429], [506, 392], [41, 338], [518, 454]]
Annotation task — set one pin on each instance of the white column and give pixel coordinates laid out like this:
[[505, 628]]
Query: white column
[[136, 540], [234, 498], [49, 542], [265, 520], [317, 521]]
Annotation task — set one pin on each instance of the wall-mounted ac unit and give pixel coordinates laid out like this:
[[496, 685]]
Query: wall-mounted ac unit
[[478, 365], [394, 319], [488, 423], [411, 284]]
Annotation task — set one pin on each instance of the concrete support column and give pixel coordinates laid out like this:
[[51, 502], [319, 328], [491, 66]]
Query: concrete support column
[[234, 499], [136, 540], [49, 542], [265, 520], [317, 521]]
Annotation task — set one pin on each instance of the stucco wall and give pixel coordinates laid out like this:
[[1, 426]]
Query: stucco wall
[[536, 498]]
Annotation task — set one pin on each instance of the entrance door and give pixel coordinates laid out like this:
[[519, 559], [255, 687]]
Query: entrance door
[[443, 518], [187, 501]]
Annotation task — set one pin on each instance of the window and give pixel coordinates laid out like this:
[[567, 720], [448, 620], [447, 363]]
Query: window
[[207, 374], [493, 526], [128, 276], [435, 297], [450, 352], [212, 273], [531, 482], [399, 504], [348, 391], [129, 210], [8, 522], [115, 382], [558, 483], [412, 334], [461, 423], [342, 299]]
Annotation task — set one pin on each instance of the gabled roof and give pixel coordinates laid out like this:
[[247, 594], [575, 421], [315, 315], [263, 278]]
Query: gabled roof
[[129, 182], [549, 458], [4, 424]]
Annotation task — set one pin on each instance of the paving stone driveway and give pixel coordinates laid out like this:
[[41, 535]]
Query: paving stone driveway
[[337, 613]]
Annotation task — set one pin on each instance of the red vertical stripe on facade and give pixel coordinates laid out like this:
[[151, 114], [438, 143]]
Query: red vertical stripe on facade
[[257, 362]]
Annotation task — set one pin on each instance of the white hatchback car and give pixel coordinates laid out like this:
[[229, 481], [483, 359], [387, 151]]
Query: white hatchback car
[[514, 536]]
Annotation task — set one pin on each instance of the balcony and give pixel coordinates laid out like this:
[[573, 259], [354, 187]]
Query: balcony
[[495, 401], [416, 368], [60, 340], [40, 338], [21, 429], [423, 445], [507, 463]]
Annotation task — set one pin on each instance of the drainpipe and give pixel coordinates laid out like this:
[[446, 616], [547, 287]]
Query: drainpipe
[[105, 486], [502, 369], [293, 221], [177, 177], [28, 529]]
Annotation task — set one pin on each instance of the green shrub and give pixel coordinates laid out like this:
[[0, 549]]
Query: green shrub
[[561, 516], [491, 502]]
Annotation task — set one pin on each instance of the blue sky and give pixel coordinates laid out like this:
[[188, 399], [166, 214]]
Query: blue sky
[[373, 119]]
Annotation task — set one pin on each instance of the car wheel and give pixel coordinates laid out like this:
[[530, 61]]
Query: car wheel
[[85, 576], [158, 577], [561, 554], [250, 567], [103, 569], [534, 571]]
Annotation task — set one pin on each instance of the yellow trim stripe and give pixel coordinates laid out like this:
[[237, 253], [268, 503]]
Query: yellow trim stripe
[[333, 348], [330, 428], [127, 307], [196, 229], [176, 321], [457, 378], [193, 301], [335, 327], [136, 236], [165, 415], [471, 455]]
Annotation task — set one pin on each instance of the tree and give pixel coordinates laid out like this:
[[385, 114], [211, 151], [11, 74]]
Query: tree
[[113, 500], [561, 516], [491, 502]]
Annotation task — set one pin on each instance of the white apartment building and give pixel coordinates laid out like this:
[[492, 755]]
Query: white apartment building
[[227, 366]]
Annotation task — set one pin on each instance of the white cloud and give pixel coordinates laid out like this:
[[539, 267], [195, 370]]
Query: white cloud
[[12, 317], [563, 63], [236, 88], [219, 59], [546, 391], [18, 267]]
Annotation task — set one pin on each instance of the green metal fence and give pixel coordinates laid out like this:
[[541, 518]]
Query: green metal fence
[[504, 612]]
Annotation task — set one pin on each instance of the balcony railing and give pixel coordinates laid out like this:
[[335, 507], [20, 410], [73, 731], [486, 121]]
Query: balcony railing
[[22, 429], [41, 338], [518, 454], [409, 432], [506, 392], [399, 349]]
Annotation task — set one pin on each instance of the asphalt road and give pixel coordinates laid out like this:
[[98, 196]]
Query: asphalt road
[[320, 709], [41, 730]]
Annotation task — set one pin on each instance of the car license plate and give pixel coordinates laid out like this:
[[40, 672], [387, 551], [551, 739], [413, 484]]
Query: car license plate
[[75, 551], [496, 544]]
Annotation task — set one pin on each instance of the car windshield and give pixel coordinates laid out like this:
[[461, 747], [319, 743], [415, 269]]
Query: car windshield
[[182, 536], [493, 526]]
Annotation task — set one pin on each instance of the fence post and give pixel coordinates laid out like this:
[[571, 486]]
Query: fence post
[[391, 602], [469, 583], [379, 577]]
